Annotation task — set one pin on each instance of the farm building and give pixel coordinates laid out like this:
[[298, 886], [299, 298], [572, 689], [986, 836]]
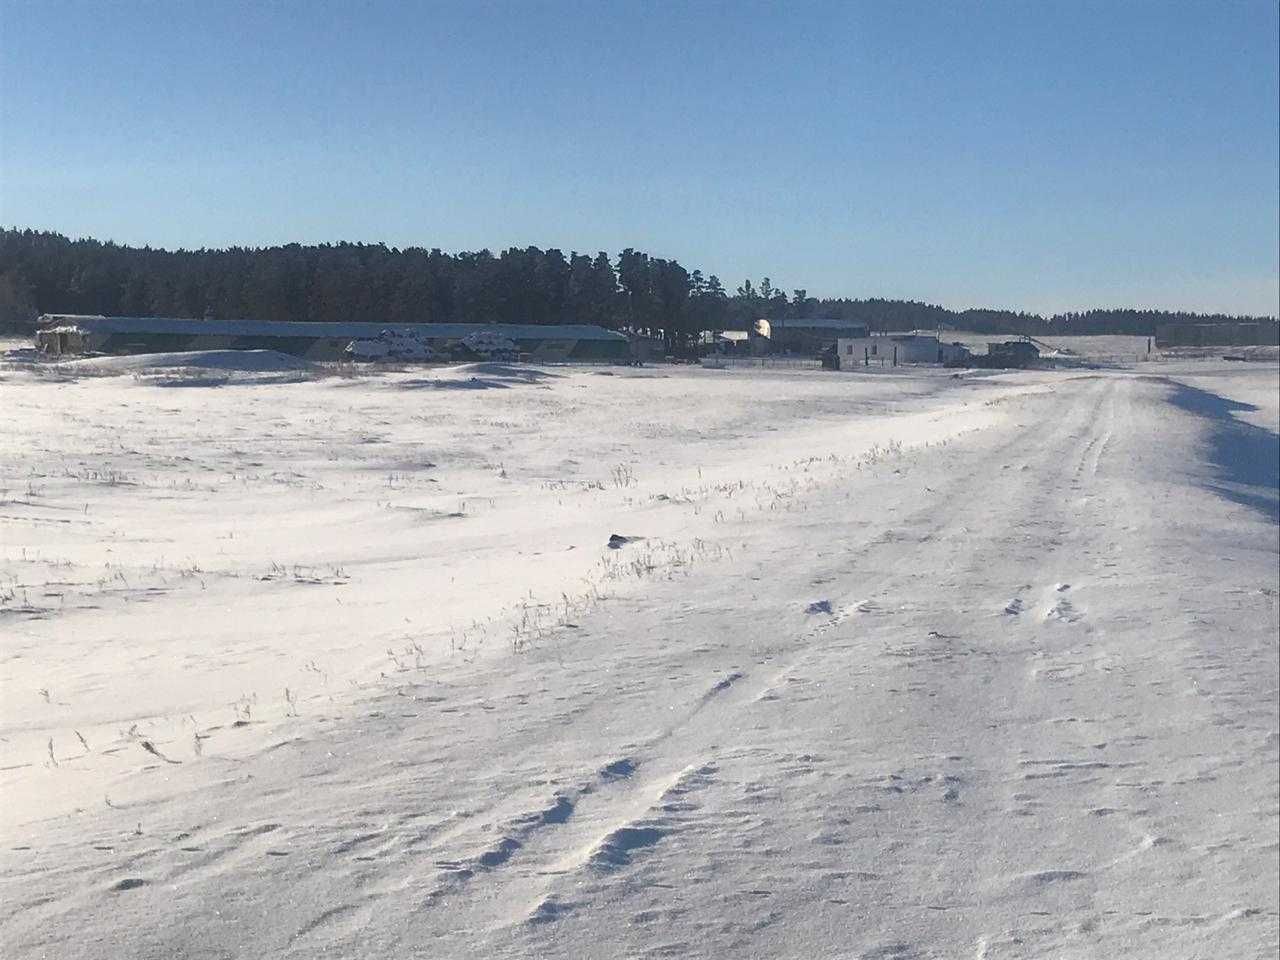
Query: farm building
[[70, 334], [647, 349], [896, 348], [809, 336], [1243, 334], [730, 342], [1009, 355]]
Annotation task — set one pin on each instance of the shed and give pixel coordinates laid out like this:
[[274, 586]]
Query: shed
[[1009, 354], [731, 342]]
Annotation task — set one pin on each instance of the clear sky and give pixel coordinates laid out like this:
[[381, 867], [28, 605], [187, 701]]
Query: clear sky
[[1037, 155]]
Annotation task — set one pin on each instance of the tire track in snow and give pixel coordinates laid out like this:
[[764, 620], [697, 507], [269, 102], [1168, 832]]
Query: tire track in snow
[[634, 819]]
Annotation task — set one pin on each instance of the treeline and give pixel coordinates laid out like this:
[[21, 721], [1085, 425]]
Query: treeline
[[43, 272]]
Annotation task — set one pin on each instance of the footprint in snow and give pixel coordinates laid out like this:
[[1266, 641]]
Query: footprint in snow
[[618, 769], [619, 845], [1063, 610], [1056, 876], [549, 911]]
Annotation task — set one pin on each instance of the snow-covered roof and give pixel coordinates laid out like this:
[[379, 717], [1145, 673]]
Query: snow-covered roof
[[817, 323], [337, 331]]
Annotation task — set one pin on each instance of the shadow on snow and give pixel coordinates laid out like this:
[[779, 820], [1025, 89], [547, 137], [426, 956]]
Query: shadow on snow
[[1246, 458]]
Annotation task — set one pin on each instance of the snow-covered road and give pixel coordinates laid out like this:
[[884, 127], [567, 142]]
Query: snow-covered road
[[989, 672]]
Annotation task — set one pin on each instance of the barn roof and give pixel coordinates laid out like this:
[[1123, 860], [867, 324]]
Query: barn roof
[[272, 328], [816, 323]]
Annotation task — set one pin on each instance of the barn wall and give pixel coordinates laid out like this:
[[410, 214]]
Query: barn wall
[[317, 343], [881, 350], [1217, 334]]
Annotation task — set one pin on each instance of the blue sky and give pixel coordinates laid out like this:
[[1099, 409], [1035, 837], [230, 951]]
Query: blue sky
[[1032, 155]]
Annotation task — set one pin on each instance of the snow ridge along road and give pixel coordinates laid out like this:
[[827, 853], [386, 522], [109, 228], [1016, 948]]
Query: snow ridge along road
[[986, 672]]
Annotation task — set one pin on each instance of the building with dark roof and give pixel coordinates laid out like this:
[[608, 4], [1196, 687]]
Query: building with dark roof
[[811, 335]]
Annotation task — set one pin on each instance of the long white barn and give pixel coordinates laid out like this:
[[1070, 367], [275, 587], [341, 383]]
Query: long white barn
[[78, 334]]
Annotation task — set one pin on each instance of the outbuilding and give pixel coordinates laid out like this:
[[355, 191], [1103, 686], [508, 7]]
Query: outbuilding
[[898, 348], [810, 335], [731, 343], [1010, 355]]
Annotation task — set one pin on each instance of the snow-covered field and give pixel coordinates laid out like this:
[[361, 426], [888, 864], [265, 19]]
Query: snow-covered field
[[1111, 348], [1115, 349], [894, 664]]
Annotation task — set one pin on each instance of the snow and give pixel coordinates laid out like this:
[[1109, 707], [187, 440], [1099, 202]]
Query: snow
[[891, 665], [1252, 386], [391, 345], [1102, 348], [256, 361]]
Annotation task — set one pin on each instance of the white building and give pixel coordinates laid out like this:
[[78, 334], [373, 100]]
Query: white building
[[897, 348]]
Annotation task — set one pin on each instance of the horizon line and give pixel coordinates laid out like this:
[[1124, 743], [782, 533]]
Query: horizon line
[[79, 238]]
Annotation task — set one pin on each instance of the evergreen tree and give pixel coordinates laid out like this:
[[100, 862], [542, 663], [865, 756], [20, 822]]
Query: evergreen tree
[[43, 272]]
